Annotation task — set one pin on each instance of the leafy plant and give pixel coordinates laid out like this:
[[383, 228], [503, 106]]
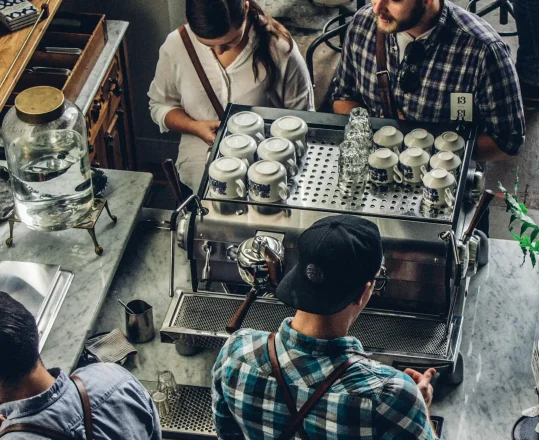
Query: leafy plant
[[529, 231]]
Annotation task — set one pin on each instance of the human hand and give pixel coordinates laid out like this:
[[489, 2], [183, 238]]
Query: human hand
[[423, 382], [205, 130], [2, 419]]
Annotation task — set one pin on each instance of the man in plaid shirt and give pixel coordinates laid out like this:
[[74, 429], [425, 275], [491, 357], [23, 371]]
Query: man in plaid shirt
[[339, 267], [454, 51]]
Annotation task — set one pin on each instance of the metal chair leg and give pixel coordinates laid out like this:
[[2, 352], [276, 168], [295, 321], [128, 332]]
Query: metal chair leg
[[312, 47]]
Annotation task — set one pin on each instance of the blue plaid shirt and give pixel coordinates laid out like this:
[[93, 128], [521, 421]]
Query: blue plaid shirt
[[463, 54], [370, 401]]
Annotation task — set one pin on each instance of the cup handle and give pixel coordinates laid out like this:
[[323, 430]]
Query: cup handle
[[449, 198], [423, 171], [284, 192], [300, 148], [396, 150], [259, 136], [246, 162], [241, 190], [292, 166], [398, 176]]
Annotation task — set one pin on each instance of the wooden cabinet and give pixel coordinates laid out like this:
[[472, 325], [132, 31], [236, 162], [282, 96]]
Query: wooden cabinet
[[109, 117], [109, 120]]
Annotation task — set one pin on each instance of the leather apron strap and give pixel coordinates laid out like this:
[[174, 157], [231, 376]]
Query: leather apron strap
[[382, 75], [297, 417], [200, 72], [57, 435]]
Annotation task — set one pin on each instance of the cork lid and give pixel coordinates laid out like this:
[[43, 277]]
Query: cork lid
[[39, 105]]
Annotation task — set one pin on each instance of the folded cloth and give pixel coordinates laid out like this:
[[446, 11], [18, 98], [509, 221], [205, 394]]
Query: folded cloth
[[112, 347]]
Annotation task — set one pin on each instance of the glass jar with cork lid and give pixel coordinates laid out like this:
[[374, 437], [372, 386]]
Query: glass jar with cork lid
[[46, 146]]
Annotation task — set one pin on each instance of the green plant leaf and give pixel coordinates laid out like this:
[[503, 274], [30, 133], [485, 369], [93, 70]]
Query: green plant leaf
[[534, 234], [532, 258], [523, 208]]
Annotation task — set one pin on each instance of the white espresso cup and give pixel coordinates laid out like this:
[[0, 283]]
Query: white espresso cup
[[294, 129], [419, 138], [241, 146], [438, 185], [410, 163], [280, 149], [227, 178], [449, 141], [388, 137], [381, 167], [248, 123], [267, 181], [446, 160]]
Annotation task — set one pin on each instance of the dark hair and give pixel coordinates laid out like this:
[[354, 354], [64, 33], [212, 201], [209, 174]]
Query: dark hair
[[19, 341], [212, 19]]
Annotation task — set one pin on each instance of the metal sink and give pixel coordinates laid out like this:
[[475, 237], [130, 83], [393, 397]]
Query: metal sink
[[41, 288]]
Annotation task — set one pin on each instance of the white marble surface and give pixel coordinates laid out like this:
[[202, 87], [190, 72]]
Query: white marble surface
[[116, 30], [499, 327], [73, 250]]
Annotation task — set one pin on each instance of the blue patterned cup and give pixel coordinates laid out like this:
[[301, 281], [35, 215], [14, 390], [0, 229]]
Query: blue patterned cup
[[227, 178], [267, 182], [438, 186], [411, 161], [381, 166]]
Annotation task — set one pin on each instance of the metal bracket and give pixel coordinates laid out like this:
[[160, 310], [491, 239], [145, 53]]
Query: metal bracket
[[201, 211]]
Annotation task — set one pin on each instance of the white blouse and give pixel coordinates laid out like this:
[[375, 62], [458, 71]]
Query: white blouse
[[176, 85]]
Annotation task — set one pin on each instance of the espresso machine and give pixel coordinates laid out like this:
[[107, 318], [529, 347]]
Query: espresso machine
[[239, 249]]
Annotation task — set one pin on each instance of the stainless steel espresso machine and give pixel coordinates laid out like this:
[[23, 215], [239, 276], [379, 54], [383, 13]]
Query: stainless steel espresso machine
[[429, 253]]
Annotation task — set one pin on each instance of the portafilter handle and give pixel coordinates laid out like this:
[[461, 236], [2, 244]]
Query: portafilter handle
[[482, 206], [236, 320]]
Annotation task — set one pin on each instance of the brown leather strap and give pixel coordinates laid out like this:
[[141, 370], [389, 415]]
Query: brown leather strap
[[200, 72], [56, 435], [382, 75], [297, 417], [88, 424], [45, 432], [277, 373]]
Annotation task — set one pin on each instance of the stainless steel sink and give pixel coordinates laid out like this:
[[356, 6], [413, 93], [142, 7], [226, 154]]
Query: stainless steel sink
[[41, 288]]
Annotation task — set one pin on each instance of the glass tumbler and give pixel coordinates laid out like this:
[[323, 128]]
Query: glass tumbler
[[162, 403], [352, 165], [167, 384]]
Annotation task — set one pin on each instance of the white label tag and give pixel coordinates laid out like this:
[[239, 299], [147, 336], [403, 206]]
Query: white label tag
[[535, 363], [462, 106]]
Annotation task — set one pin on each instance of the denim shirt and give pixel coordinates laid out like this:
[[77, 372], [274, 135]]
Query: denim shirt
[[121, 407]]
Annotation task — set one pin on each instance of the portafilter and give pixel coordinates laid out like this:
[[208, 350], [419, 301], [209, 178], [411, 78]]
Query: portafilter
[[260, 263]]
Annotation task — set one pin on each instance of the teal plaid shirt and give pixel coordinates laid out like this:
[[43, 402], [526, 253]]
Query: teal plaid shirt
[[370, 401]]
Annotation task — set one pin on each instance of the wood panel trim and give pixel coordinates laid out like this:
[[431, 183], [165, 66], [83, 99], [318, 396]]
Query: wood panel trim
[[11, 43]]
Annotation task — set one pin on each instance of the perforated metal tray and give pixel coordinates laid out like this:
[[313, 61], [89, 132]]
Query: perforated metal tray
[[199, 319], [316, 185]]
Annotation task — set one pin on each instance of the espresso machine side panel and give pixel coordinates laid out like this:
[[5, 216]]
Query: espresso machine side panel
[[415, 257]]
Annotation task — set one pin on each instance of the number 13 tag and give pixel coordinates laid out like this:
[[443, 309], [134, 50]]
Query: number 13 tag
[[462, 106]]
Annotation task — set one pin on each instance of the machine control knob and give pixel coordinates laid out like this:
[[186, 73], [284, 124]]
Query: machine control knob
[[232, 252]]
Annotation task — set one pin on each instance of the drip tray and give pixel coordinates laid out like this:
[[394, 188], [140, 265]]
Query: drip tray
[[190, 414], [199, 319]]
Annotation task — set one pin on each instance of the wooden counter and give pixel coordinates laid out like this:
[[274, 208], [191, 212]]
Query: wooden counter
[[11, 43]]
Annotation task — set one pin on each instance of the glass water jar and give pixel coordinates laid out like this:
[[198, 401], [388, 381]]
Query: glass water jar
[[46, 146]]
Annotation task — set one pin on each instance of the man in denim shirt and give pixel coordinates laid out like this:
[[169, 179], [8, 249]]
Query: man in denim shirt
[[30, 394]]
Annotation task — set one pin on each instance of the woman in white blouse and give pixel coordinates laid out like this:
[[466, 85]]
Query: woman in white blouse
[[249, 59]]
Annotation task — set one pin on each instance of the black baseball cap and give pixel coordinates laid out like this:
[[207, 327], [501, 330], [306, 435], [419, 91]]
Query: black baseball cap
[[337, 256]]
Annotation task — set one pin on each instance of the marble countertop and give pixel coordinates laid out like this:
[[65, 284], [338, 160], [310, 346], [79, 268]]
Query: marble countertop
[[116, 29], [73, 250], [499, 328]]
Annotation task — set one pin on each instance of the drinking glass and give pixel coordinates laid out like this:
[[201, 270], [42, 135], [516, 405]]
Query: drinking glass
[[352, 165], [167, 384], [162, 403]]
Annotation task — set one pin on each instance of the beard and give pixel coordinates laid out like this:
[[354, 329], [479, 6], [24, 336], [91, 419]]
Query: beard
[[394, 25]]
